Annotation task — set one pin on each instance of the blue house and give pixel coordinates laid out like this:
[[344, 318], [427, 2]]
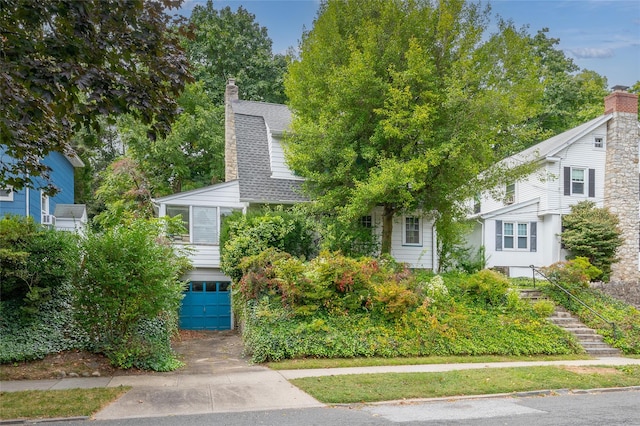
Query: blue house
[[42, 208]]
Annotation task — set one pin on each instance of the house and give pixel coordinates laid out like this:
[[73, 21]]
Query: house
[[43, 208], [256, 175], [596, 161]]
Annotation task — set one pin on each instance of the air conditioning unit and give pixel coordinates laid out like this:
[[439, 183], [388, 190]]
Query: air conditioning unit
[[48, 219], [510, 199]]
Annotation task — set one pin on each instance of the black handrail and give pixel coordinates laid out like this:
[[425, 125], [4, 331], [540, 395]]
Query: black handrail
[[552, 281]]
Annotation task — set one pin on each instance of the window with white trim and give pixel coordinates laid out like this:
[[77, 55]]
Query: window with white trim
[[6, 193], [201, 223], [515, 236], [44, 203], [578, 180], [412, 235], [598, 142], [510, 194]]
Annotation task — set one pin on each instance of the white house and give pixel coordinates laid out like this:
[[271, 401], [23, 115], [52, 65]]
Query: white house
[[595, 161], [256, 175]]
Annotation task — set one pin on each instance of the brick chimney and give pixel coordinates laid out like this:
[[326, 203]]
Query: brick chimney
[[622, 179], [230, 151]]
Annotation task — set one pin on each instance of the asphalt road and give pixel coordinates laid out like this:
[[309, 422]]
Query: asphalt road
[[607, 408]]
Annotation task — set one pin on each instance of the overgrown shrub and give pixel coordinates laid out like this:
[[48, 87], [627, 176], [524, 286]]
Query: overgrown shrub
[[573, 273], [487, 287], [248, 235], [50, 329], [128, 285], [593, 233], [34, 260]]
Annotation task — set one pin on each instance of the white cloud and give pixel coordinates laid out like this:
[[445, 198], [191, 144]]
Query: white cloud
[[591, 52]]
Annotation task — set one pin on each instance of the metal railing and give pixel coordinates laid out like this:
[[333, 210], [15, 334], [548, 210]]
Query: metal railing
[[572, 296]]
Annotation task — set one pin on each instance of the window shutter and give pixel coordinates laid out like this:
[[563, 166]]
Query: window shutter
[[567, 181], [498, 235], [592, 183], [533, 236]]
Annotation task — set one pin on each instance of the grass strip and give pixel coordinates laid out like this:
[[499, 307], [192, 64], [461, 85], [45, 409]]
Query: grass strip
[[388, 387], [39, 404], [307, 363]]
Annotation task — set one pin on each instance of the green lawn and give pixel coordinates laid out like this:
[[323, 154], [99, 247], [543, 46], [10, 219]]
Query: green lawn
[[38, 404], [388, 387]]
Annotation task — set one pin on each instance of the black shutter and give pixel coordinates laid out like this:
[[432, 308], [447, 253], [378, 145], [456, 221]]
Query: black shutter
[[592, 183], [567, 181], [498, 235], [533, 237]]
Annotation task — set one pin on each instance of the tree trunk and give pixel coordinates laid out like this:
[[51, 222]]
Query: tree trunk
[[387, 229]]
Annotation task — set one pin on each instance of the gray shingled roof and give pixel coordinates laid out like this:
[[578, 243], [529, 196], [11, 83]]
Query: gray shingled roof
[[277, 116], [252, 144]]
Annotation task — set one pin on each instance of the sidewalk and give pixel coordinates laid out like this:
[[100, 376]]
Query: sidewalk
[[247, 389]]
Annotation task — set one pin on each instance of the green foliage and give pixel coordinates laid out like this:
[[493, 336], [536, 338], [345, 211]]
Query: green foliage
[[573, 273], [487, 287], [34, 260], [349, 238], [66, 62], [544, 308], [250, 234], [593, 233], [50, 329], [232, 44], [402, 105], [129, 292], [626, 335]]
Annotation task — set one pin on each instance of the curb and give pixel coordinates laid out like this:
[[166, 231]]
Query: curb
[[526, 394], [38, 421]]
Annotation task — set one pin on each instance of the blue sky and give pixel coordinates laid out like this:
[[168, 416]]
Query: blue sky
[[600, 35]]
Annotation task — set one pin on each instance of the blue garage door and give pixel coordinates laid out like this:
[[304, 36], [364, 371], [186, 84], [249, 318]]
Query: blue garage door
[[206, 306]]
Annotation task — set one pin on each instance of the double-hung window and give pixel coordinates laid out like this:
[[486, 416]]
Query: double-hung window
[[580, 181], [516, 235], [577, 181], [412, 234]]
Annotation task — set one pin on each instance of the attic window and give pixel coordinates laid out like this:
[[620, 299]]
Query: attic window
[[6, 193], [598, 142], [510, 194]]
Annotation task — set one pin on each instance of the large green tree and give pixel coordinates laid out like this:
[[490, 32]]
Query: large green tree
[[403, 103], [231, 44], [65, 62]]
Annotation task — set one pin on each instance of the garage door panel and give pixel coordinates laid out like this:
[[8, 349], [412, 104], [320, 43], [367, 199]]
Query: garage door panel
[[205, 307]]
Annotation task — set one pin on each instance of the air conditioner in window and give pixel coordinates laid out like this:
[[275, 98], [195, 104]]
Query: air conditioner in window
[[48, 219], [510, 199]]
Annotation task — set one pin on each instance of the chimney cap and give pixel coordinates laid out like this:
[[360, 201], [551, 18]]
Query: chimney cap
[[620, 88], [232, 81]]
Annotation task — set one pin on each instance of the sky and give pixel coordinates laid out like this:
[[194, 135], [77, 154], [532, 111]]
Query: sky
[[599, 35]]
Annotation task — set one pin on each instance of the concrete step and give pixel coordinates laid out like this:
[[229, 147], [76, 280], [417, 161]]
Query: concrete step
[[591, 341]]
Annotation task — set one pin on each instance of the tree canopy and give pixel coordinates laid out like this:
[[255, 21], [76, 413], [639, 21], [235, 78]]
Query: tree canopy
[[65, 62], [403, 104], [231, 44]]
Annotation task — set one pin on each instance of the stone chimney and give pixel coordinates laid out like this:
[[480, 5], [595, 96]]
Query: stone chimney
[[622, 179], [230, 151]]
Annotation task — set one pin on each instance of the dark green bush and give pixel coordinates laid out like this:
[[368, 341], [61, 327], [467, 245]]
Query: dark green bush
[[487, 287], [51, 329], [248, 235], [34, 260], [128, 294]]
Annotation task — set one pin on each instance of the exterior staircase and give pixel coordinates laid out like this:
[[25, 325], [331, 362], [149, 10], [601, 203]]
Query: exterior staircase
[[591, 341]]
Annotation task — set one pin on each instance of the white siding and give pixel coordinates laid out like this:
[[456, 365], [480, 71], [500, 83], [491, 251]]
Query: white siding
[[225, 195], [279, 168]]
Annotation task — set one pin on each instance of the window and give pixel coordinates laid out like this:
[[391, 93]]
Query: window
[[598, 142], [515, 235], [205, 225], [577, 181], [44, 203], [477, 207], [183, 212], [510, 194], [366, 222], [6, 193], [412, 231]]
